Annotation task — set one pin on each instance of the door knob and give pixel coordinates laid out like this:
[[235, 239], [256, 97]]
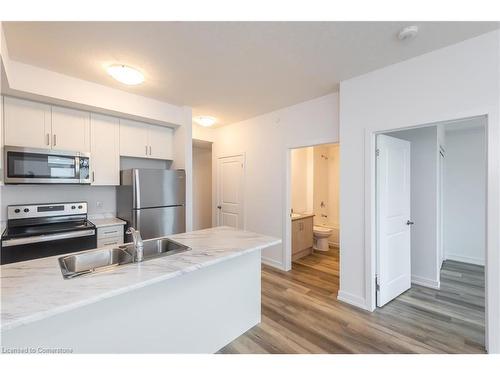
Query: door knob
[[409, 222], [219, 207]]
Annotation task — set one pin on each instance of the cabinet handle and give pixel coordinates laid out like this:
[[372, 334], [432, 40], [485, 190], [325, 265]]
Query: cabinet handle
[[48, 139], [146, 150], [149, 150], [54, 141], [93, 176]]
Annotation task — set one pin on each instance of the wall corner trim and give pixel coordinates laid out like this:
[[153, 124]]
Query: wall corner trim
[[353, 300], [273, 263], [422, 281]]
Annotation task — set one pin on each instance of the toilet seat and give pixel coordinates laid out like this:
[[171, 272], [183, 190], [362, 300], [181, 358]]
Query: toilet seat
[[322, 230]]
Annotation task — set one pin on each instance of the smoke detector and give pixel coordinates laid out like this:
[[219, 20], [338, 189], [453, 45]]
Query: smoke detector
[[408, 33]]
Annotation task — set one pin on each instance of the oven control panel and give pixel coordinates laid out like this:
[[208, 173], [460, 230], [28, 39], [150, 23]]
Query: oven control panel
[[26, 211]]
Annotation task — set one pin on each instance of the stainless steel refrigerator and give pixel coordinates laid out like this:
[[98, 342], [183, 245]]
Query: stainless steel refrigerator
[[152, 201]]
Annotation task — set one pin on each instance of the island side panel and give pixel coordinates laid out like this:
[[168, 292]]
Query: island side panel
[[198, 312]]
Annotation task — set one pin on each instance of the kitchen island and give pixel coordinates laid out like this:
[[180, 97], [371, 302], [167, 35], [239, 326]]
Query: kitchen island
[[192, 302]]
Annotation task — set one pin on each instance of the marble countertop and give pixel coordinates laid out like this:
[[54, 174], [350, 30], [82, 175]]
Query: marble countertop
[[107, 222], [35, 289], [301, 216]]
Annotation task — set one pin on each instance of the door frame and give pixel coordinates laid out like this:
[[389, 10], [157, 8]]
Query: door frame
[[243, 185], [287, 203], [492, 256]]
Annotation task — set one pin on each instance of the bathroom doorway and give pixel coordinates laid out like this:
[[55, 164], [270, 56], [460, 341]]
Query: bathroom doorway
[[313, 211]]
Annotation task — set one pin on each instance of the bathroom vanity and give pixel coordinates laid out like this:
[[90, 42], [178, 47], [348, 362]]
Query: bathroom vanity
[[302, 235]]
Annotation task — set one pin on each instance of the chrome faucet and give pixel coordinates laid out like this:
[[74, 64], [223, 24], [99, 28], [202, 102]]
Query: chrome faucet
[[138, 254]]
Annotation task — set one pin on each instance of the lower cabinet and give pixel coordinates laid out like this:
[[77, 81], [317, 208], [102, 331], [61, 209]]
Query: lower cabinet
[[302, 237], [110, 236]]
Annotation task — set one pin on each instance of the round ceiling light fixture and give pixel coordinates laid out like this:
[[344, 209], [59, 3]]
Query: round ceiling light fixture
[[125, 74], [408, 32], [205, 121]]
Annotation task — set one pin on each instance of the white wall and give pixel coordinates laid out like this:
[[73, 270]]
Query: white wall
[[203, 133], [266, 141], [454, 82], [326, 186], [465, 195], [302, 177], [425, 265], [202, 187]]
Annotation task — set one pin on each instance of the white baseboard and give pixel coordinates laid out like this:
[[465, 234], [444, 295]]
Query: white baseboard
[[429, 283], [273, 263], [460, 258], [352, 300]]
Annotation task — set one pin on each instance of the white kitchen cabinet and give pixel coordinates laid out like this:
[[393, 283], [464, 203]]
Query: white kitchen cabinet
[[26, 123], [142, 140], [133, 139], [160, 142], [105, 149], [70, 129]]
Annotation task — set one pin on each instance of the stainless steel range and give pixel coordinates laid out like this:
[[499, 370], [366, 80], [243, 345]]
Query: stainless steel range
[[43, 230]]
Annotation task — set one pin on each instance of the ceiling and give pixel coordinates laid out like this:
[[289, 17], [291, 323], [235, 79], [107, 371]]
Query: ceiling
[[230, 70]]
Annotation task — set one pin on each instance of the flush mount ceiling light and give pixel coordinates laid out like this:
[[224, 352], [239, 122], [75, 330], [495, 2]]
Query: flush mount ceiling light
[[205, 121], [125, 74], [408, 33]]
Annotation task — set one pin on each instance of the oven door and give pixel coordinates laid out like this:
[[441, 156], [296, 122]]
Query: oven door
[[26, 248], [40, 166]]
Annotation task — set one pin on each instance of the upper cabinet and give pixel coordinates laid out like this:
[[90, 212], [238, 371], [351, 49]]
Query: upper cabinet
[[26, 123], [133, 139], [32, 124], [70, 129], [161, 142], [105, 150], [142, 140]]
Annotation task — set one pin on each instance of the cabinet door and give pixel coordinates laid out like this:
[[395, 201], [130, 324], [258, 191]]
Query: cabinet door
[[26, 123], [105, 150], [134, 139], [296, 236], [160, 142], [307, 233], [70, 129]]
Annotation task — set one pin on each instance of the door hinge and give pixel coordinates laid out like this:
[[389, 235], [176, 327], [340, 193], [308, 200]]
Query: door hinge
[[377, 285], [377, 152]]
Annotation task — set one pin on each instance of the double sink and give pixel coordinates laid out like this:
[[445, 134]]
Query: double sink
[[108, 258]]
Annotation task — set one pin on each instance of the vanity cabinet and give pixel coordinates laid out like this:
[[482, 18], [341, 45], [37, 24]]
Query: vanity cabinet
[[142, 140], [302, 237], [105, 150], [37, 125]]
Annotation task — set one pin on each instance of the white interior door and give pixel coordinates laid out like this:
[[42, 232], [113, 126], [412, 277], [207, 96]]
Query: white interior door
[[393, 218], [231, 172]]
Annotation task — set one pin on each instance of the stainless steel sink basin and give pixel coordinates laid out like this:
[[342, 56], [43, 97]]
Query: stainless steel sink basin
[[106, 259], [157, 248]]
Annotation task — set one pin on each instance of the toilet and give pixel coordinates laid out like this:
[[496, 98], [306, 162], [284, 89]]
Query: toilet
[[321, 235]]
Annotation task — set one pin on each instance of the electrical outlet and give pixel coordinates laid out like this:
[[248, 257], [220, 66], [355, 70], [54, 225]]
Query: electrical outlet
[[99, 204]]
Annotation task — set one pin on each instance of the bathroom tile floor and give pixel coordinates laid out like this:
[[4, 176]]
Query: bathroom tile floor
[[300, 314]]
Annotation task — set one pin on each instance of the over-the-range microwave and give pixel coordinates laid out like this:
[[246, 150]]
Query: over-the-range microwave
[[42, 166]]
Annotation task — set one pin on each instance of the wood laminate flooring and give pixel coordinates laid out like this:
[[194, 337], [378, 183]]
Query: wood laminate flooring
[[300, 314]]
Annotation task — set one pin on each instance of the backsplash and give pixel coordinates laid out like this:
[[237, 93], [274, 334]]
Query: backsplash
[[105, 196]]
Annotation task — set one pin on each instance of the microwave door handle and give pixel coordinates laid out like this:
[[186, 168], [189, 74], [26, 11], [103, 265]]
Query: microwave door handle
[[77, 168]]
